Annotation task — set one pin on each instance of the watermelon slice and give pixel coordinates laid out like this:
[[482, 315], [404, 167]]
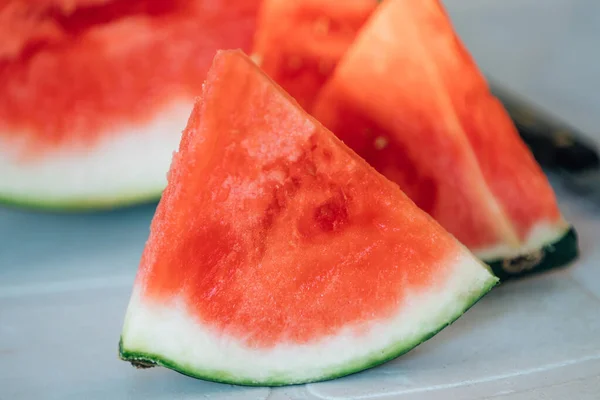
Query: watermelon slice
[[299, 42], [83, 83], [409, 99], [278, 256]]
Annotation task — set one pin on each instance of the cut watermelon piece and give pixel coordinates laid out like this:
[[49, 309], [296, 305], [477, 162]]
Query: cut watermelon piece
[[278, 256], [409, 99], [85, 83], [299, 42]]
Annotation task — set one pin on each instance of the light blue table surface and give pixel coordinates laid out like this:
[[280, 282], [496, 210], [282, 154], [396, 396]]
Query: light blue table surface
[[65, 279]]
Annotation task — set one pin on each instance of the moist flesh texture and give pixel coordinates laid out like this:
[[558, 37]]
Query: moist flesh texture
[[122, 61], [303, 198], [288, 237]]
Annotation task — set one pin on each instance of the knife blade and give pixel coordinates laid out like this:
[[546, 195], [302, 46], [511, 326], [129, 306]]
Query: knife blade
[[559, 148]]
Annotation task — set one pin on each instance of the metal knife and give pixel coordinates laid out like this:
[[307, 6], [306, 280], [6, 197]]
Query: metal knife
[[558, 147]]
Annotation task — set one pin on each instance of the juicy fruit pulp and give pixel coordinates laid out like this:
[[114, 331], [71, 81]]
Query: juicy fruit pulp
[[408, 98], [277, 255], [299, 42], [73, 73], [84, 83]]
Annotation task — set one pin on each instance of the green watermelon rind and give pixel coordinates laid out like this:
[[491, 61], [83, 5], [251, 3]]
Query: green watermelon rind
[[558, 254], [145, 360], [76, 205]]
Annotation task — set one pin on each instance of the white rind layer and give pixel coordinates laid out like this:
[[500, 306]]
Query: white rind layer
[[542, 234], [170, 334], [127, 164]]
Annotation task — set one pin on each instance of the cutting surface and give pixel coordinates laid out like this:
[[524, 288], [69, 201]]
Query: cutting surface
[[65, 280]]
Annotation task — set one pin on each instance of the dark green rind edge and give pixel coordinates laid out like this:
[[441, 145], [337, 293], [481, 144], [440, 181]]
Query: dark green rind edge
[[79, 205], [553, 255], [147, 360]]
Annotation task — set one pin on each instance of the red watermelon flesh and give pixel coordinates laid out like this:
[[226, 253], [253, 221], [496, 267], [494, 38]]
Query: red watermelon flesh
[[277, 255], [299, 42], [82, 82], [409, 98]]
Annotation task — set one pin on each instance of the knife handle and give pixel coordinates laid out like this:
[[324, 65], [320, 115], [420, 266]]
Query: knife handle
[[554, 144]]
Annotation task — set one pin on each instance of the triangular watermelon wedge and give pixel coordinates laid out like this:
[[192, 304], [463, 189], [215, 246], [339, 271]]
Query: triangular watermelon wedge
[[278, 256], [409, 99]]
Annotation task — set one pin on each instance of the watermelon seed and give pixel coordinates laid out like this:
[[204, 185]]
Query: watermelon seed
[[380, 142], [321, 26]]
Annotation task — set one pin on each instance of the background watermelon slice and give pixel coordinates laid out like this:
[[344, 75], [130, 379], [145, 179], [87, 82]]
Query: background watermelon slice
[[94, 93], [279, 256], [514, 236], [409, 99], [298, 43]]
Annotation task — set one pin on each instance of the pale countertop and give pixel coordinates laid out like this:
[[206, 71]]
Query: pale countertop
[[65, 280]]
